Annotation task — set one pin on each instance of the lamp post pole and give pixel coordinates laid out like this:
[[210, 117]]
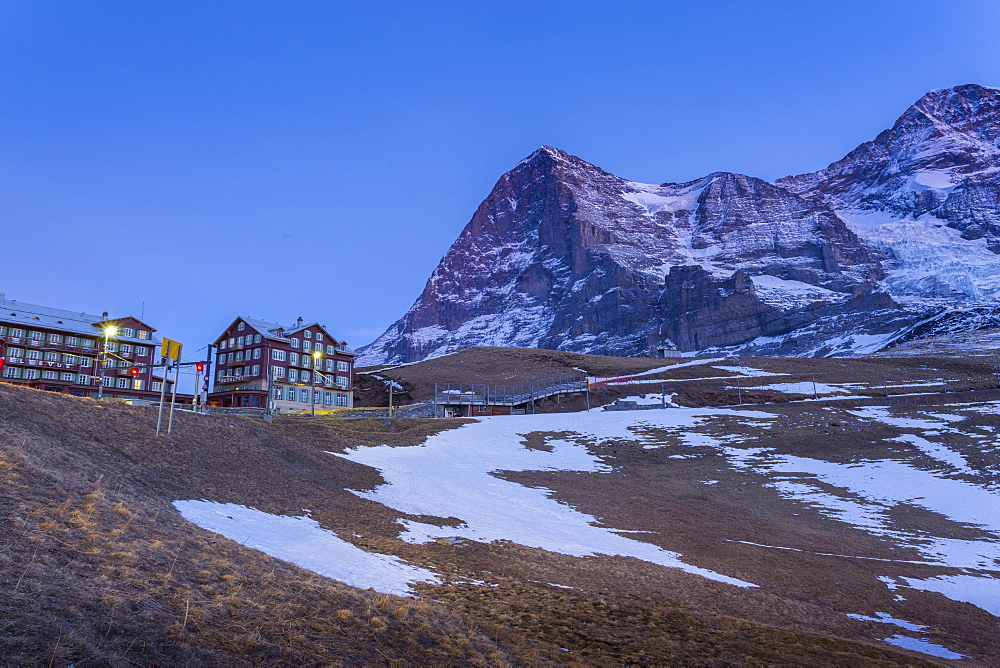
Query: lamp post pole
[[312, 390], [108, 331]]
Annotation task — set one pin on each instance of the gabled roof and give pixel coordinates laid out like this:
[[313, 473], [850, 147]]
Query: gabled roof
[[34, 315], [270, 330]]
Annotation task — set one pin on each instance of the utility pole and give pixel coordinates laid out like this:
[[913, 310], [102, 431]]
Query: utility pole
[[885, 386]]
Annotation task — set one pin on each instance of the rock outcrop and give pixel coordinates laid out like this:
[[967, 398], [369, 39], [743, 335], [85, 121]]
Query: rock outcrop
[[564, 255]]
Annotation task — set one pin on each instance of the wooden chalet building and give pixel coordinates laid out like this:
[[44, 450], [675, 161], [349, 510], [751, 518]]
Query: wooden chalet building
[[75, 353], [296, 367]]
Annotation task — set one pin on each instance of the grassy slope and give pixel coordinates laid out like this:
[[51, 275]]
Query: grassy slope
[[96, 567]]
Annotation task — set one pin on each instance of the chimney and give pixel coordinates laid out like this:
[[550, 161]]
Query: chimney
[[298, 323], [105, 315]]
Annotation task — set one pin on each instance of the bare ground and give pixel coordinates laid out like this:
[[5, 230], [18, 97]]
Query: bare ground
[[98, 568]]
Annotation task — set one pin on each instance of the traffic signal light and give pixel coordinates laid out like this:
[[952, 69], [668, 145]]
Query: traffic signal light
[[134, 371], [3, 361], [199, 367]]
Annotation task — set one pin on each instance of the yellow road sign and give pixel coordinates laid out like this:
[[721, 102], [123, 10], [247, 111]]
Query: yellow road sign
[[171, 349]]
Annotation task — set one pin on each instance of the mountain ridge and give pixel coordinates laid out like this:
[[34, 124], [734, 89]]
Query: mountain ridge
[[565, 255]]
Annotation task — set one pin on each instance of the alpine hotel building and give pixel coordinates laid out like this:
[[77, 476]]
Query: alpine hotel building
[[76, 353], [301, 366]]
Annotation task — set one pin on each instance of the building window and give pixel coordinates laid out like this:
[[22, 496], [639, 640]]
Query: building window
[[293, 359], [304, 396], [140, 351], [278, 355], [341, 399], [278, 371], [51, 357], [55, 338], [327, 398], [255, 370], [17, 333], [138, 383], [67, 376], [304, 375], [108, 381], [241, 326], [319, 336], [239, 355], [218, 374], [143, 334], [306, 347], [222, 344], [343, 381], [86, 361], [38, 336], [294, 342], [34, 355], [328, 365], [112, 347], [290, 393], [123, 383], [256, 353], [87, 343], [83, 379], [156, 386], [129, 332], [30, 374], [307, 334], [11, 372], [256, 338], [49, 375], [239, 340], [293, 376], [126, 349], [343, 366]]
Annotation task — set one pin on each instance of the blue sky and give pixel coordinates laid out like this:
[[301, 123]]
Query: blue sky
[[204, 160]]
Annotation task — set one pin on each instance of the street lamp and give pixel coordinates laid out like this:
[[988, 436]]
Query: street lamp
[[312, 396], [109, 331]]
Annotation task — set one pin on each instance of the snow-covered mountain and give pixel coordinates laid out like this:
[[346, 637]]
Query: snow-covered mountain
[[564, 255]]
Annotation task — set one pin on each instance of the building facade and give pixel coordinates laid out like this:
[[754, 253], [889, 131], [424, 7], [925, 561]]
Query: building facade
[[265, 366], [78, 353]]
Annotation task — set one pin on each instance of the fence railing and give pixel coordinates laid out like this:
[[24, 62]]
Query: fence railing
[[506, 395]]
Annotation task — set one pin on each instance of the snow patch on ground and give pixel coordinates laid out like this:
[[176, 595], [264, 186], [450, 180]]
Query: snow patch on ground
[[452, 475], [303, 542]]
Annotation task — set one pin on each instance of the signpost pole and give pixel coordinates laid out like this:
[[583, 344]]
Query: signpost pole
[[163, 391], [173, 396]]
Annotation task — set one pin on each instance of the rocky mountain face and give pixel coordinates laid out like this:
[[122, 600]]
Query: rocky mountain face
[[564, 255]]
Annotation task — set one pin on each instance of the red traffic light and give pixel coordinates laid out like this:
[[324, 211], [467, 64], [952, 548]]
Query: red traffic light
[[199, 367], [2, 362], [134, 371]]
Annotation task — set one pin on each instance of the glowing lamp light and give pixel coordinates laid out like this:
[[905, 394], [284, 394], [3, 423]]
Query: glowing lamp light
[[110, 330]]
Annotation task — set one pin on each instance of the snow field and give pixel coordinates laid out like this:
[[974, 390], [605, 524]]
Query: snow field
[[303, 542]]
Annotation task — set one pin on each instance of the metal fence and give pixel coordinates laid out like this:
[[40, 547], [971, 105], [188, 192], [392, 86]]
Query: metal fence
[[506, 395]]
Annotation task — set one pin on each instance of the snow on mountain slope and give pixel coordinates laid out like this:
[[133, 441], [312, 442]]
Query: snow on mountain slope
[[564, 255]]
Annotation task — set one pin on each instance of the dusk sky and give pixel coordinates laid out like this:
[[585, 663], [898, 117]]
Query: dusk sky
[[199, 161]]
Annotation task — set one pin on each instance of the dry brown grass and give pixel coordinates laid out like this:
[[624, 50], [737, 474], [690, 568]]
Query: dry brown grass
[[96, 567]]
